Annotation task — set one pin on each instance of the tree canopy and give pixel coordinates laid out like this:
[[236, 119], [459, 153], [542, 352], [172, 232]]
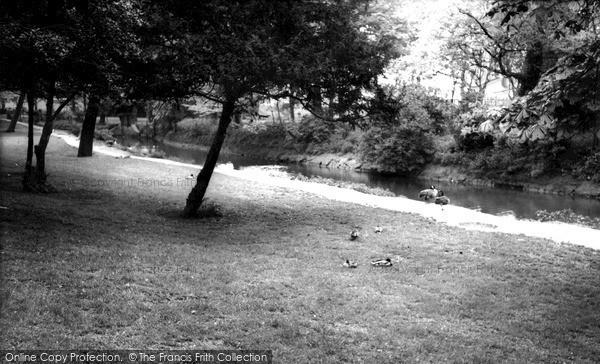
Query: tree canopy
[[320, 53], [566, 98], [324, 54]]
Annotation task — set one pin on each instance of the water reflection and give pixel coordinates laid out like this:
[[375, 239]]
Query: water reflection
[[505, 202]]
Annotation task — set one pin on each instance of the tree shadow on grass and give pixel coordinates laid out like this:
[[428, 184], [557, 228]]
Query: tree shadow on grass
[[208, 210]]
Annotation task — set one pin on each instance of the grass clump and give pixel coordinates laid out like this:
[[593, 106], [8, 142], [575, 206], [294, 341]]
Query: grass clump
[[360, 187], [568, 216], [209, 209]]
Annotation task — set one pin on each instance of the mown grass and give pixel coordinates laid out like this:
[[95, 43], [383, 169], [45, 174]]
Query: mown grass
[[103, 266]]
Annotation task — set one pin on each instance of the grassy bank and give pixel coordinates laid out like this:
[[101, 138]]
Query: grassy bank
[[105, 263]]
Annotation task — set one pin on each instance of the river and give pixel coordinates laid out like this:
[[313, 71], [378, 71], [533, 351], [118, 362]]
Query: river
[[495, 201]]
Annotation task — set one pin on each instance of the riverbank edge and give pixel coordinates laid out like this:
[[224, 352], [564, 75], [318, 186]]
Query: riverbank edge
[[453, 216], [559, 185]]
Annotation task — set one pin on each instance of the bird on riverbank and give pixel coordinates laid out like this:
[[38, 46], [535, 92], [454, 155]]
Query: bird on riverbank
[[441, 199], [429, 193], [387, 262], [350, 264], [378, 229], [191, 176], [354, 234]]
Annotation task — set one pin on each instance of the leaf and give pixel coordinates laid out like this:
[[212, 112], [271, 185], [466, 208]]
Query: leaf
[[563, 133], [563, 74], [523, 137], [551, 106], [487, 126], [507, 118], [505, 127], [523, 114], [536, 132], [522, 8], [492, 12], [548, 121]]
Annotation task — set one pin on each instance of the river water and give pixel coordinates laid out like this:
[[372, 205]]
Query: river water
[[496, 201]]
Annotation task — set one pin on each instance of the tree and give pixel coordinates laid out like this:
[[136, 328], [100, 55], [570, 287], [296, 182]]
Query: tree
[[63, 48], [16, 114], [106, 41], [565, 100], [461, 53], [35, 42], [233, 49], [519, 39]]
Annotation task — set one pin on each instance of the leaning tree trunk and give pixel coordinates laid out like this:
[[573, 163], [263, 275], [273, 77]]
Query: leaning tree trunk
[[196, 196], [86, 142], [40, 148], [15, 117]]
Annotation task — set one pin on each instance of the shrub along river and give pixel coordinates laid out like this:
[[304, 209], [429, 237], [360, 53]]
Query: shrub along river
[[496, 201]]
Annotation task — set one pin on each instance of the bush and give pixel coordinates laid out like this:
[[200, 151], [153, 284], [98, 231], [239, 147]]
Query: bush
[[419, 109], [314, 131], [69, 115], [196, 127], [69, 125], [397, 149], [103, 134], [257, 135], [589, 167], [475, 141], [209, 209]]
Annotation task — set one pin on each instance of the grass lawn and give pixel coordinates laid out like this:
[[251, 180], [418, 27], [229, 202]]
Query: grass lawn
[[106, 263]]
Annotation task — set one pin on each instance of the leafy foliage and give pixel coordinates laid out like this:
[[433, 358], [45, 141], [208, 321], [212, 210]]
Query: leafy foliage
[[68, 124], [565, 102], [474, 141], [589, 167], [397, 149], [312, 130]]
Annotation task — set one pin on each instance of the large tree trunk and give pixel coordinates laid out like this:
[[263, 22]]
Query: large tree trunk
[[17, 114], [28, 176], [196, 196], [86, 142]]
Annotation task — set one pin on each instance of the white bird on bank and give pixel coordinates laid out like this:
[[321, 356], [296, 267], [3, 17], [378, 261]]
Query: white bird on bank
[[429, 193]]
